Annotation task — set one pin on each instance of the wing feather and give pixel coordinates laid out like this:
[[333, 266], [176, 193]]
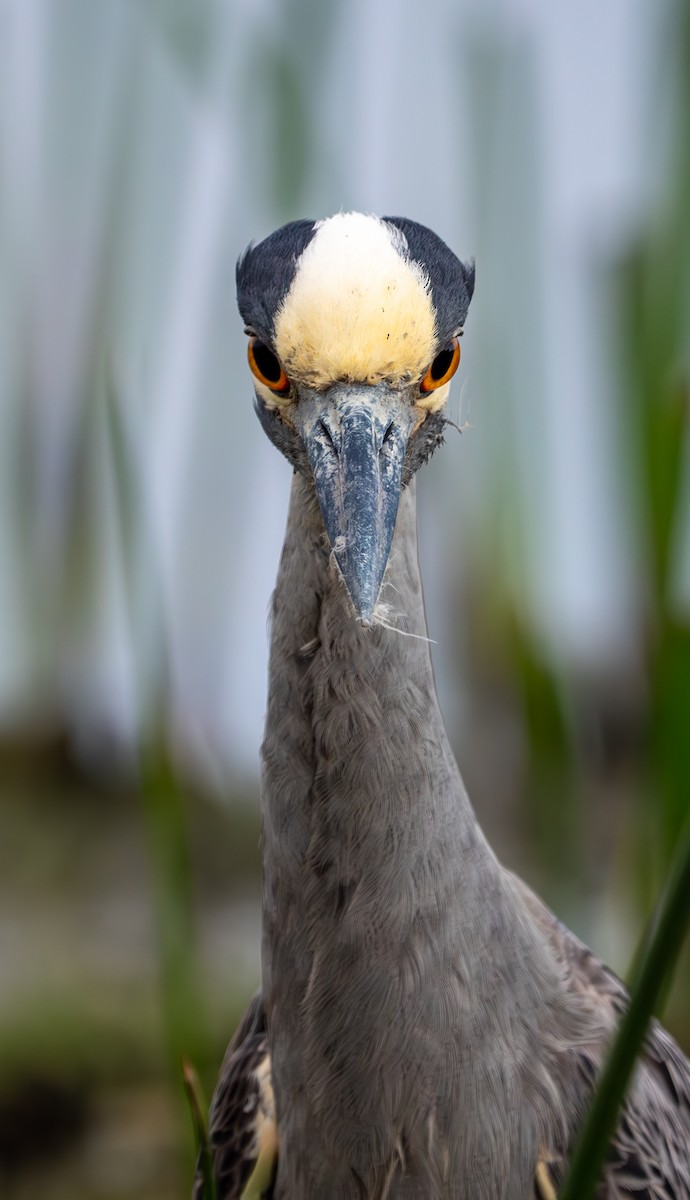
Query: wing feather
[[649, 1157], [242, 1124]]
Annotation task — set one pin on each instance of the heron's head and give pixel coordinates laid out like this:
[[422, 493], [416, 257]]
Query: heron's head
[[354, 325]]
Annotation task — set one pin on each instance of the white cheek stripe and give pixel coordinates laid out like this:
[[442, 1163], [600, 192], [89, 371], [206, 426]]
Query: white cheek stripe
[[432, 401], [272, 399]]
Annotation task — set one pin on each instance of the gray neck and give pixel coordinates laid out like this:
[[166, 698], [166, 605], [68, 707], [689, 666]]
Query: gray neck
[[409, 994], [360, 784], [376, 876]]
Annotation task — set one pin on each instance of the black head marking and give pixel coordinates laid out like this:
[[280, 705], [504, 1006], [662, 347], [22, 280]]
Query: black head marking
[[265, 272], [452, 281]]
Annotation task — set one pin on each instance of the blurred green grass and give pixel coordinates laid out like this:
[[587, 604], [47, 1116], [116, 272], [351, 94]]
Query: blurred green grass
[[92, 1007]]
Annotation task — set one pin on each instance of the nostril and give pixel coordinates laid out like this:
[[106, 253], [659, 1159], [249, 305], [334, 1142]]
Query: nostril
[[387, 437], [327, 436]]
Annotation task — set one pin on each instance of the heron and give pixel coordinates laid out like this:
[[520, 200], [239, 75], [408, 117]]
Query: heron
[[425, 1026]]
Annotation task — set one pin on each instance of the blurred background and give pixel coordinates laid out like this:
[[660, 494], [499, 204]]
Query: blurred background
[[142, 145]]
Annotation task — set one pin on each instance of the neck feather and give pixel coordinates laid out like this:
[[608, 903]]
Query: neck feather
[[363, 802], [381, 898]]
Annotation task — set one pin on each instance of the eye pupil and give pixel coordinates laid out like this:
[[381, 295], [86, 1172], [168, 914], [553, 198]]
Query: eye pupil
[[267, 368], [442, 362], [267, 362], [443, 367]]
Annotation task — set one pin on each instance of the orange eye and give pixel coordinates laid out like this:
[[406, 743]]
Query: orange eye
[[265, 366], [442, 368]]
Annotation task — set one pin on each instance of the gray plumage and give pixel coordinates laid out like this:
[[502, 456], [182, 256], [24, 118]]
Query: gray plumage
[[433, 1030]]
